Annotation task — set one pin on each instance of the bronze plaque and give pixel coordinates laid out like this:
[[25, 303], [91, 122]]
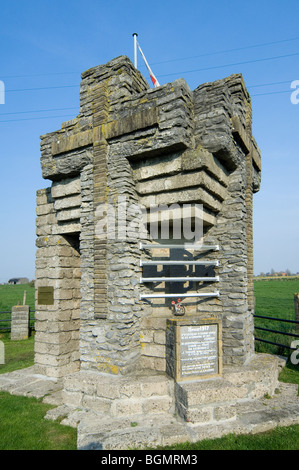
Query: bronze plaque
[[45, 295]]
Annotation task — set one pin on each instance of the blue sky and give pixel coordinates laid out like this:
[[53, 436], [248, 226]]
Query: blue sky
[[46, 44]]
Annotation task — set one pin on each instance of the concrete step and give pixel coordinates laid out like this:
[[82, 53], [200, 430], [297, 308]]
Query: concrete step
[[209, 391], [251, 416], [285, 396], [260, 375], [131, 432], [209, 400], [119, 396], [25, 382]]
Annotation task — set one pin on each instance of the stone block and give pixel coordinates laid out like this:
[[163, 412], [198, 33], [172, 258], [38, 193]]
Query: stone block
[[156, 386], [195, 414], [160, 337], [157, 405], [99, 405], [67, 202], [66, 187], [209, 391], [222, 413], [108, 390], [19, 322], [155, 350], [68, 214], [126, 407], [72, 398], [130, 389]]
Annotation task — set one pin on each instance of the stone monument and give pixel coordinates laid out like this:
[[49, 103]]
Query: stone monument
[[19, 322], [134, 315]]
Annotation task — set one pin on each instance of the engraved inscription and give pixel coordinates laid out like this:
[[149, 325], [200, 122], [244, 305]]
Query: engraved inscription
[[199, 350]]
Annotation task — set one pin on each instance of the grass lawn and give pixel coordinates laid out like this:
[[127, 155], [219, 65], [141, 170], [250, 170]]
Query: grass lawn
[[18, 354], [23, 427], [275, 298], [22, 423], [11, 295]]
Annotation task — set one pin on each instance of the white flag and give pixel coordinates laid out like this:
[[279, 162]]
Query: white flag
[[153, 78]]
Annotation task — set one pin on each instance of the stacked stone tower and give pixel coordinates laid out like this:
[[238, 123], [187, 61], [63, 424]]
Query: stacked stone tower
[[129, 147], [108, 279]]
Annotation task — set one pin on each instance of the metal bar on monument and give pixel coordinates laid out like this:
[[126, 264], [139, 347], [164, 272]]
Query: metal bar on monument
[[174, 262], [179, 279], [184, 246], [164, 296]]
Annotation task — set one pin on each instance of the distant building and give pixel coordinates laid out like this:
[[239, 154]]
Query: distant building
[[18, 280]]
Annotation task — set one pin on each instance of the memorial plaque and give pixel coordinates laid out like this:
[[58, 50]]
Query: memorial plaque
[[193, 348], [199, 350], [45, 295]]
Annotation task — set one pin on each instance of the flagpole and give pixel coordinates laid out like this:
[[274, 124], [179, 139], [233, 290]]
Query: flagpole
[[137, 45], [135, 49]]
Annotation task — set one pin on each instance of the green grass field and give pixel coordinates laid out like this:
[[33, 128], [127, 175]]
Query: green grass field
[[11, 295], [18, 354], [275, 298], [23, 427]]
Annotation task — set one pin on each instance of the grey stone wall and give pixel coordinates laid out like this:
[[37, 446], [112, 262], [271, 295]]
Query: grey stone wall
[[133, 147], [57, 266]]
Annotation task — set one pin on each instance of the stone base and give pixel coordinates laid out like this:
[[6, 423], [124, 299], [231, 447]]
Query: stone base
[[213, 400], [112, 412], [118, 397], [131, 432]]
